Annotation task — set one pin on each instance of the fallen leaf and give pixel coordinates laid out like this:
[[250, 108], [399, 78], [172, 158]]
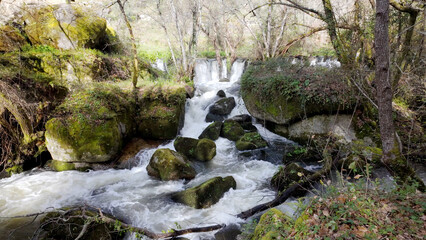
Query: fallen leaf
[[357, 176], [360, 231], [326, 213]]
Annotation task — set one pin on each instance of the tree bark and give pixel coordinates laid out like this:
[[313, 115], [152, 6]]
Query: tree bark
[[135, 72], [392, 157]]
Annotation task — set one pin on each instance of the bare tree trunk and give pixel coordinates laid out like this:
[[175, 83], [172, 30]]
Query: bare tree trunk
[[135, 72], [163, 25], [180, 36], [195, 28], [280, 35], [392, 157]]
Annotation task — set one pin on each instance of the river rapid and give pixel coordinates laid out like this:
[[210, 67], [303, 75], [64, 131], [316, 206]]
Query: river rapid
[[143, 201]]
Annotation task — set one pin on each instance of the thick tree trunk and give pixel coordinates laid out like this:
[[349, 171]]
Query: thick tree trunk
[[392, 157], [330, 20], [135, 70]]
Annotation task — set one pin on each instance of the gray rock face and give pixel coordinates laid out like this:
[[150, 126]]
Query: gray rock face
[[245, 121], [223, 106], [206, 194]]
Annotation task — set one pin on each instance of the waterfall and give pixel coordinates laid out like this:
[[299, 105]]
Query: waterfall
[[143, 201]]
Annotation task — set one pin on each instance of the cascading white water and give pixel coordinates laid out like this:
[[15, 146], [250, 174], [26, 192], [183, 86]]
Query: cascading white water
[[143, 201]]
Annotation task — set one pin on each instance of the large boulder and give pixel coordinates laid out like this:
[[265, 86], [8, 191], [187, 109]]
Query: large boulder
[[92, 125], [206, 194], [166, 164], [272, 225], [201, 150], [340, 126], [288, 175], [11, 39], [251, 141], [212, 132], [284, 97], [232, 130], [67, 26], [161, 113]]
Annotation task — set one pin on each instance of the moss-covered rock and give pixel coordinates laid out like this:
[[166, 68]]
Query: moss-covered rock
[[68, 223], [212, 132], [186, 146], [251, 141], [60, 166], [272, 225], [205, 150], [91, 126], [220, 109], [161, 112], [67, 27], [288, 175], [232, 130], [206, 194], [11, 39], [166, 164], [289, 96], [245, 121], [356, 155], [201, 150]]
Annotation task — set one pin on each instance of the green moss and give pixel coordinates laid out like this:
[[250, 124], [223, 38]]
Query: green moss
[[232, 130], [272, 225], [288, 175], [186, 146], [205, 150], [11, 39], [166, 164], [287, 96], [251, 141], [14, 170], [207, 193]]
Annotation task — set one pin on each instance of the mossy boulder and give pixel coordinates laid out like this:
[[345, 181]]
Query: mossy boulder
[[186, 146], [205, 150], [302, 154], [68, 223], [251, 141], [212, 132], [92, 125], [288, 175], [161, 113], [67, 27], [284, 97], [166, 164], [272, 225], [232, 130], [201, 150], [11, 39], [206, 194]]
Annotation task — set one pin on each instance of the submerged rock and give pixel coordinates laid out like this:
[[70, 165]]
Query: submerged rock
[[206, 194], [288, 175], [201, 150], [224, 80], [232, 130], [272, 224], [251, 141], [212, 132], [166, 164]]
